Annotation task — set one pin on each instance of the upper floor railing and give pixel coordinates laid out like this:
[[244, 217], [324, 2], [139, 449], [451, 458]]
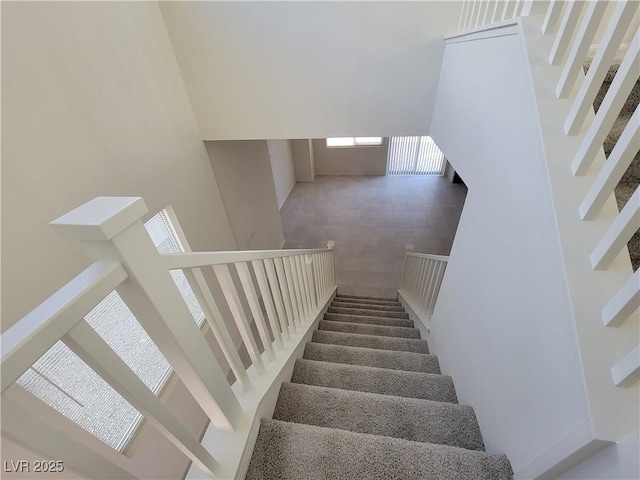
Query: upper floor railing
[[285, 290], [608, 31]]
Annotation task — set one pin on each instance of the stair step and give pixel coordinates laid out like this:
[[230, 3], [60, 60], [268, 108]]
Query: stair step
[[381, 330], [371, 357], [358, 311], [362, 297], [395, 344], [292, 451], [390, 322], [385, 303], [408, 418], [363, 306], [428, 386]]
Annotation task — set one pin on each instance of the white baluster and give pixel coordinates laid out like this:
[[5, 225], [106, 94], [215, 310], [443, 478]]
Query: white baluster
[[621, 157], [626, 372], [216, 323], [624, 303], [95, 352], [286, 288], [110, 229], [294, 287], [254, 306], [261, 278], [580, 48], [567, 27], [621, 18], [622, 229], [278, 293], [310, 280], [239, 315], [463, 13], [553, 16], [609, 110]]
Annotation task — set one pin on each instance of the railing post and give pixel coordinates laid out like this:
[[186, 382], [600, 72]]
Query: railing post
[[331, 246], [110, 228]]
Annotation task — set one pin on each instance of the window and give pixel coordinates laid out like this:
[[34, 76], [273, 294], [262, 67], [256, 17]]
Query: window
[[353, 141], [63, 381], [414, 156]]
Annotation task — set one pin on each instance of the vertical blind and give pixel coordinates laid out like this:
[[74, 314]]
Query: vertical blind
[[414, 156]]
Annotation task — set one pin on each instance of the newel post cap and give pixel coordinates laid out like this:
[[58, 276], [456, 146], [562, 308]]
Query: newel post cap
[[409, 247], [101, 218], [331, 244]]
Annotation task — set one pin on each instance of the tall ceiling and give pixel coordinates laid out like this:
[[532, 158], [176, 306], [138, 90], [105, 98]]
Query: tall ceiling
[[310, 69]]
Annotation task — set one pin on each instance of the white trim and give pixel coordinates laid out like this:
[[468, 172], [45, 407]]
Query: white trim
[[234, 449], [571, 450]]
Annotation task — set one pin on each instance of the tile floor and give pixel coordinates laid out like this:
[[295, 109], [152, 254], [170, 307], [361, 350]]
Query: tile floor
[[371, 219]]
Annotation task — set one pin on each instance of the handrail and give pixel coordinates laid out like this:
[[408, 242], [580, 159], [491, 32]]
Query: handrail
[[441, 258], [30, 338], [174, 261], [287, 292], [421, 279]]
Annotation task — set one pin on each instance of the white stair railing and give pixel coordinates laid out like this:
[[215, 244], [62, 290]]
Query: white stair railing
[[421, 279], [295, 287], [478, 13], [574, 26], [607, 174]]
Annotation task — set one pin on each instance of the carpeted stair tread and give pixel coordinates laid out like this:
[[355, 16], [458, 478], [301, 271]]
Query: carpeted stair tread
[[292, 451], [380, 330], [364, 306], [400, 417], [363, 297], [384, 381], [371, 357], [396, 344], [386, 303], [358, 311], [390, 322]]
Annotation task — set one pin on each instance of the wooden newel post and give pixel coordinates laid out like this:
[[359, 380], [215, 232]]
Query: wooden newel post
[[111, 228]]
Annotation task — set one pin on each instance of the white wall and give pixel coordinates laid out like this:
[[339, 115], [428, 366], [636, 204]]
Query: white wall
[[303, 159], [310, 69], [502, 325], [94, 104], [244, 174], [620, 461], [365, 160], [284, 175]]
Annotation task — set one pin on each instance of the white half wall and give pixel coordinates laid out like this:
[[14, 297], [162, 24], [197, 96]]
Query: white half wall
[[303, 159], [281, 70], [363, 160], [243, 170], [618, 462], [503, 326], [284, 175]]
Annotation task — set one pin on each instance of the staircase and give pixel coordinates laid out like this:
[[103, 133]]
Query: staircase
[[367, 401]]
